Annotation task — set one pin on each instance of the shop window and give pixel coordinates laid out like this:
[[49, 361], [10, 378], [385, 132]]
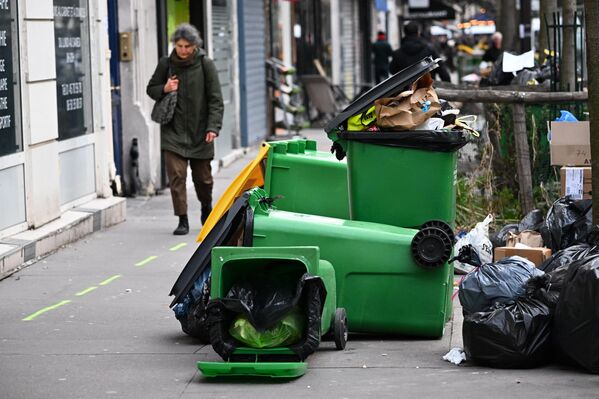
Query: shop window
[[73, 70], [11, 137]]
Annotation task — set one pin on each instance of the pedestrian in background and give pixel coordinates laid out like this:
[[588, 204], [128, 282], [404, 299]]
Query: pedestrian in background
[[382, 52], [188, 139], [413, 49], [494, 51]]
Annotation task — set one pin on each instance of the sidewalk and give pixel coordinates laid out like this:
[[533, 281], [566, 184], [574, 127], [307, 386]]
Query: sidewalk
[[25, 248], [22, 249], [100, 307]]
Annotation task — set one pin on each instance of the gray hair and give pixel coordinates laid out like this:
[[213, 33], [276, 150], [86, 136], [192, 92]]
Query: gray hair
[[187, 32]]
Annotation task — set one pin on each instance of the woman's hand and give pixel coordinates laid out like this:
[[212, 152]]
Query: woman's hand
[[210, 136], [172, 84]]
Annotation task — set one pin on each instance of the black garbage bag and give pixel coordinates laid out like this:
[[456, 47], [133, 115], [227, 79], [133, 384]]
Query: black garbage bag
[[541, 288], [532, 221], [516, 335], [576, 325], [191, 312], [265, 302], [499, 239], [566, 256], [593, 236], [500, 282], [568, 222]]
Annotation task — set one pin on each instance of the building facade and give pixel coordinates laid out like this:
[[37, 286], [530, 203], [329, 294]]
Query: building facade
[[74, 116], [56, 148]]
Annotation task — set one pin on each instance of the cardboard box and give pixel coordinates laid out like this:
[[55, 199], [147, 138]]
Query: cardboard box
[[535, 255], [576, 182], [570, 143]]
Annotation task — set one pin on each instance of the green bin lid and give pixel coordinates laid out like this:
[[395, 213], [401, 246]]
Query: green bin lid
[[250, 369], [387, 88]]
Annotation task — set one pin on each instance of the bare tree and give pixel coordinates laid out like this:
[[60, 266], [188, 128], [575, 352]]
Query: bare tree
[[566, 67], [591, 9], [507, 24]]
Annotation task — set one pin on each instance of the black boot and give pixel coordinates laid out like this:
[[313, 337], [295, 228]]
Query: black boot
[[206, 209], [183, 227]]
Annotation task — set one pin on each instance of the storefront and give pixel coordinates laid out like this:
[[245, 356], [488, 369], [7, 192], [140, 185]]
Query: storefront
[[12, 159], [55, 135]]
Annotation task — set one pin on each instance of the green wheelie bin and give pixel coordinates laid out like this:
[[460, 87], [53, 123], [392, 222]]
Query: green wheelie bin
[[294, 166], [268, 309], [390, 279], [402, 178]]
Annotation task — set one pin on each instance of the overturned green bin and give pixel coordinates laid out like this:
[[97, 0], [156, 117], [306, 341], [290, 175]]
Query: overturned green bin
[[390, 279], [268, 309]]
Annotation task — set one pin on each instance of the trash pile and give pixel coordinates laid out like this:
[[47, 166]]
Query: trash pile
[[528, 307], [510, 69], [415, 109], [276, 268]]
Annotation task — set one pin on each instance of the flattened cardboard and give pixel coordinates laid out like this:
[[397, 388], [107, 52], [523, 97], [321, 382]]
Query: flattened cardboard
[[535, 255], [570, 143]]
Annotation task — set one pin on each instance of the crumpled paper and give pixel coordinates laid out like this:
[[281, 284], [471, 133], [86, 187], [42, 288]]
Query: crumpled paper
[[455, 356]]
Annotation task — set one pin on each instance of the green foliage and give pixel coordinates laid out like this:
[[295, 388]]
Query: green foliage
[[474, 202], [494, 188]]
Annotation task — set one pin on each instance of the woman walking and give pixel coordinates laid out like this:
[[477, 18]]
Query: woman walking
[[189, 137]]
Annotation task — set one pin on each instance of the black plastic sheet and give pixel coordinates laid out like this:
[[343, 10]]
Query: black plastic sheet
[[517, 335], [500, 282], [532, 221], [567, 223], [576, 326], [265, 304]]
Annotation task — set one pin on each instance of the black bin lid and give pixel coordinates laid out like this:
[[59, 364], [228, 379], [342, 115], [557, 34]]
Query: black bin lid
[[387, 88]]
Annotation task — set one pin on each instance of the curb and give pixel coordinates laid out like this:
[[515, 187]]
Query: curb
[[22, 249]]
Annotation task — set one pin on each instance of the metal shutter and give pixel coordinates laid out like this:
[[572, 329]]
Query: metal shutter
[[349, 40], [252, 74], [222, 55]]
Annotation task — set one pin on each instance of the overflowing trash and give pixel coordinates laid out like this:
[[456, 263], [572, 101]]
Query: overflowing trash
[[522, 313], [520, 284], [266, 313]]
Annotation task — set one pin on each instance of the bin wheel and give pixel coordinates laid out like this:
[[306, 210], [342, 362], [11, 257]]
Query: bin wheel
[[441, 225], [431, 247], [340, 332]]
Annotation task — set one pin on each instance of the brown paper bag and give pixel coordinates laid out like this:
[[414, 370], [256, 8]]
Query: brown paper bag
[[404, 112]]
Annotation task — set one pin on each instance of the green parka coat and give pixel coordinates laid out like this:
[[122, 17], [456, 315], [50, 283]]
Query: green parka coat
[[199, 105]]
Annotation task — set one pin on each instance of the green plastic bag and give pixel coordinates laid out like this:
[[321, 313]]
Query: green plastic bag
[[287, 331], [362, 121]]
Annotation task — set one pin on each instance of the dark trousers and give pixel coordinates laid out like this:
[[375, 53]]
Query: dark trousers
[[201, 174]]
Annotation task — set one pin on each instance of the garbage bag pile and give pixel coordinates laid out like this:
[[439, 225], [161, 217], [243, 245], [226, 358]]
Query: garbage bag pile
[[518, 315], [520, 71]]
